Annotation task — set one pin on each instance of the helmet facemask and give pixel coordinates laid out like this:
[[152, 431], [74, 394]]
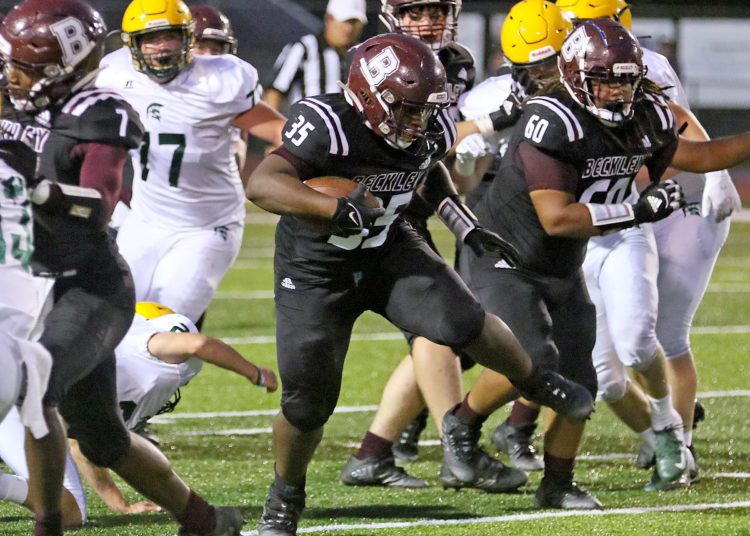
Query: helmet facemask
[[162, 64], [441, 30]]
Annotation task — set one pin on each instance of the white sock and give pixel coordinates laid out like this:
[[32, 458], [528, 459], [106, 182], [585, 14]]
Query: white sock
[[688, 437], [649, 437], [13, 488], [663, 414]]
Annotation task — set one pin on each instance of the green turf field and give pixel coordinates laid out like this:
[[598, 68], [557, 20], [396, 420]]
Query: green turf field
[[227, 458]]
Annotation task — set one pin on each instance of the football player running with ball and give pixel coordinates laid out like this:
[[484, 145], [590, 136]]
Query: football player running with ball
[[51, 53], [431, 373], [388, 132], [185, 227]]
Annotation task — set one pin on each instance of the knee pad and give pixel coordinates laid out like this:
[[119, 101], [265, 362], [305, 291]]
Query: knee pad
[[307, 414], [103, 445], [614, 391], [636, 350]]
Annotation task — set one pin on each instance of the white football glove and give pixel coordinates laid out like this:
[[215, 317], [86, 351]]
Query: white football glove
[[720, 197], [471, 148]]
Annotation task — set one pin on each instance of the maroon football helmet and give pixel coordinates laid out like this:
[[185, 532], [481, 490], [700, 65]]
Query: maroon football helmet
[[210, 23], [58, 41], [397, 84], [604, 51], [443, 15]]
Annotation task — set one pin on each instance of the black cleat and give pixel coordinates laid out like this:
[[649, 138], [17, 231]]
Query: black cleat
[[566, 495], [460, 442], [406, 449], [516, 441], [566, 397], [281, 513], [374, 471], [491, 476]]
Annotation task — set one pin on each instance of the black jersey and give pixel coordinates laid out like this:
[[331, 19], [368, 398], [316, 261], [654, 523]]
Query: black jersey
[[326, 136], [606, 160], [460, 72], [63, 244]]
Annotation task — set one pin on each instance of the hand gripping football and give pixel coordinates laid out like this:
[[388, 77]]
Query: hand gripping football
[[335, 187]]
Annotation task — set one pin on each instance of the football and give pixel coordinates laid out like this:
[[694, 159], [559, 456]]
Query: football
[[339, 187], [333, 187]]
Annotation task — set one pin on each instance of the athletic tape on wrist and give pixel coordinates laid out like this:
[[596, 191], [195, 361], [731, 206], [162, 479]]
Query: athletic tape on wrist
[[457, 217], [611, 216]]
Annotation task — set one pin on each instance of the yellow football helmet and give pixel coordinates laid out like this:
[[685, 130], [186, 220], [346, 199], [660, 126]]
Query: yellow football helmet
[[148, 16], [151, 310], [618, 10], [533, 32]]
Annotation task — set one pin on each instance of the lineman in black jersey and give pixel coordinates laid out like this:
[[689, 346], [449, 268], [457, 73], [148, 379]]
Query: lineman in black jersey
[[386, 132], [568, 174], [51, 54]]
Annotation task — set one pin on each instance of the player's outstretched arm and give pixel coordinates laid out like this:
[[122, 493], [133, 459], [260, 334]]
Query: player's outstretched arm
[[720, 197], [263, 122], [719, 153], [275, 186], [176, 347], [100, 480]]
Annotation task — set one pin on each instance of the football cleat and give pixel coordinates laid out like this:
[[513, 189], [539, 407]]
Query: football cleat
[[406, 449], [566, 397], [374, 471], [281, 513], [565, 494], [670, 453], [645, 458], [658, 484], [229, 522], [491, 476], [460, 441], [516, 442]]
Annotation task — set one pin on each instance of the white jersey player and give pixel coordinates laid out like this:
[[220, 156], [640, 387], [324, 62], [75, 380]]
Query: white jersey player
[[161, 352], [185, 227], [25, 364]]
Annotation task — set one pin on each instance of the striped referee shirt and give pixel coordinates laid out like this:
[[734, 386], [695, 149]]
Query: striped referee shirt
[[308, 67]]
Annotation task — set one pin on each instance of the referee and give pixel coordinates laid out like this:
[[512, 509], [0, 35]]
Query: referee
[[315, 63]]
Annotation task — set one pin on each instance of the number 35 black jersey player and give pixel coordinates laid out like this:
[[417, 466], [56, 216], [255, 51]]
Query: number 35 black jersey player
[[388, 132]]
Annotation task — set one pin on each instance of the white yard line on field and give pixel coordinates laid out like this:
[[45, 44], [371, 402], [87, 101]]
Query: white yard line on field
[[171, 417], [394, 336], [519, 517]]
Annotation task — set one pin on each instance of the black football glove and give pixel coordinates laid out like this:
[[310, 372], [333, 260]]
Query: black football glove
[[658, 201], [484, 242], [353, 216]]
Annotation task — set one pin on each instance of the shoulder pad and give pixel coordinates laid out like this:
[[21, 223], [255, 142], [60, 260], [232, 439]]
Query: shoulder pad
[[549, 124], [658, 106], [173, 322], [100, 116], [486, 97], [314, 130]]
